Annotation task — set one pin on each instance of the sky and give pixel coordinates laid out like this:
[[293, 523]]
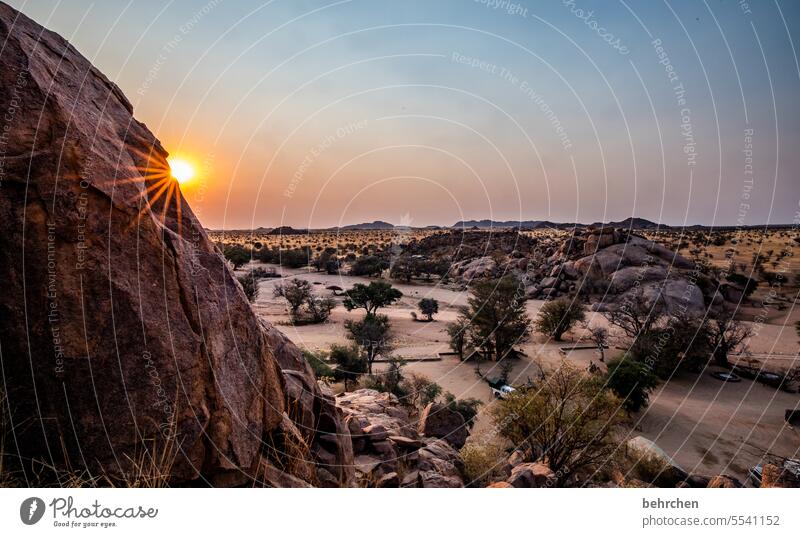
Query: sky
[[326, 113]]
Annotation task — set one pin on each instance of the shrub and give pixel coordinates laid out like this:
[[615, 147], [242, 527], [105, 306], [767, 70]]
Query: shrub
[[569, 421], [468, 408], [369, 265], [321, 369], [250, 287], [484, 462], [237, 254]]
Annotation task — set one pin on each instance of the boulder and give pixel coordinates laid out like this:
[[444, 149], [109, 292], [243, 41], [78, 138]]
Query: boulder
[[548, 282], [724, 482], [500, 485], [439, 421], [121, 326], [532, 475]]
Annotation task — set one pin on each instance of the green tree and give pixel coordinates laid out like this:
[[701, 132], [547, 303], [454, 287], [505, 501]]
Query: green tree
[[296, 292], [557, 316], [568, 421], [632, 381], [497, 316], [428, 307], [371, 297], [458, 332], [349, 363], [372, 335], [368, 265]]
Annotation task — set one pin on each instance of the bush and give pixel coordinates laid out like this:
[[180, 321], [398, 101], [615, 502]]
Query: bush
[[568, 421], [237, 254], [748, 284], [558, 316], [321, 369], [632, 381], [468, 408], [484, 462], [390, 381], [250, 287], [368, 266]]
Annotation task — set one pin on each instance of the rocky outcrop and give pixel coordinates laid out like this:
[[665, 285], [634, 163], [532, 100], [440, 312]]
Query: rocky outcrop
[[123, 333], [773, 476], [439, 421], [388, 450], [473, 269]]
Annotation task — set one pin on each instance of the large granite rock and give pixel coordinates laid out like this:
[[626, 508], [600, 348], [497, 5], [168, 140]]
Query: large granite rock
[[122, 330], [439, 421]]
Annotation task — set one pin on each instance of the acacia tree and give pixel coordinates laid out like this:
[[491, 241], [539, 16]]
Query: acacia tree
[[371, 297], [497, 316], [725, 335], [296, 292], [637, 316], [458, 331], [599, 336], [428, 307], [372, 334], [568, 421], [349, 364], [557, 316]]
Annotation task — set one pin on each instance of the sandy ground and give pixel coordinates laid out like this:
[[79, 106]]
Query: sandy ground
[[707, 426]]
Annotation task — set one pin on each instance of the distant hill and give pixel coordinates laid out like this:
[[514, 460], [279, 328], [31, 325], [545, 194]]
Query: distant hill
[[377, 224], [631, 223], [287, 230], [525, 224]]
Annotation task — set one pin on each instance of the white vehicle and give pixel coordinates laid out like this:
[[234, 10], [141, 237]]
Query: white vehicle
[[503, 391]]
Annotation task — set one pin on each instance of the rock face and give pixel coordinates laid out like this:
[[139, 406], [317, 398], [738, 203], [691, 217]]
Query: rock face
[[388, 450], [122, 330]]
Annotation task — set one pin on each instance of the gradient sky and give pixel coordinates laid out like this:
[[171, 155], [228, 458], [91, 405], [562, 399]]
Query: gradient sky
[[321, 113]]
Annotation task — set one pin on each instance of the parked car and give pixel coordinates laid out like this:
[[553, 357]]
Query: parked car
[[499, 388]]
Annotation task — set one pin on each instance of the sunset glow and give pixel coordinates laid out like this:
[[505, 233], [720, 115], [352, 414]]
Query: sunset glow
[[181, 169]]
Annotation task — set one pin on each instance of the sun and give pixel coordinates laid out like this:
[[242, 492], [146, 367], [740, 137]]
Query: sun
[[180, 169]]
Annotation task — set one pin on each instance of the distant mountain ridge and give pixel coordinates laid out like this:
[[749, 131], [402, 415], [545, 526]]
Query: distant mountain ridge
[[631, 222]]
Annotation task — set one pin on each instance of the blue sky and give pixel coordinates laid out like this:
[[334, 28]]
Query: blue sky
[[316, 113]]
